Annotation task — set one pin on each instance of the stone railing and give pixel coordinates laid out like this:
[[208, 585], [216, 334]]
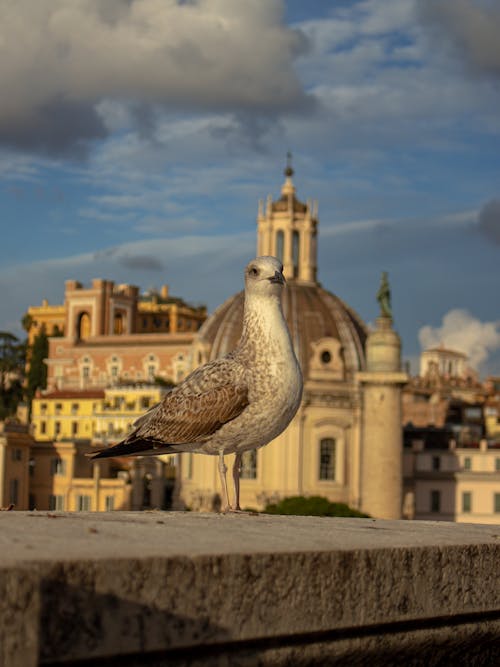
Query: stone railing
[[159, 588]]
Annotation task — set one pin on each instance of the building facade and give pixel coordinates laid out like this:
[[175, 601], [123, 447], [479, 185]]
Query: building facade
[[93, 414], [63, 478], [15, 444], [108, 333], [446, 482]]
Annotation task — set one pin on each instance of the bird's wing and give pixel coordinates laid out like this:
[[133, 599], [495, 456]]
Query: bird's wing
[[191, 417], [208, 398]]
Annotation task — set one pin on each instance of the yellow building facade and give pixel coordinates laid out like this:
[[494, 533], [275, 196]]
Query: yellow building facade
[[65, 415], [64, 479], [15, 444], [104, 414]]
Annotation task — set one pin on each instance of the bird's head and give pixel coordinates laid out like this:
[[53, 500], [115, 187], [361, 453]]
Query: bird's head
[[264, 275]]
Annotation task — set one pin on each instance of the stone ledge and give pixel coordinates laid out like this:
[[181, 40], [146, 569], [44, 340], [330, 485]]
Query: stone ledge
[[180, 588]]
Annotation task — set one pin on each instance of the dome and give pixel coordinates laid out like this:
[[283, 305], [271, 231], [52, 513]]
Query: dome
[[315, 318]]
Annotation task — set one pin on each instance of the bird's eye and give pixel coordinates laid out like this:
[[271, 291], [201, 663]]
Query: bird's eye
[[253, 271]]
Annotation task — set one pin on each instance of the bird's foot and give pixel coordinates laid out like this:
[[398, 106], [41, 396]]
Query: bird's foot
[[238, 510]]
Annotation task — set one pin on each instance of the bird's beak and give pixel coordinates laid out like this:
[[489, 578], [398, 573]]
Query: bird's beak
[[278, 278]]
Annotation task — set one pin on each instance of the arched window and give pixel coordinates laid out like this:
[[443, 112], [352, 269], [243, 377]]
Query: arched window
[[327, 458], [249, 465], [280, 244], [118, 323], [295, 253], [83, 326]]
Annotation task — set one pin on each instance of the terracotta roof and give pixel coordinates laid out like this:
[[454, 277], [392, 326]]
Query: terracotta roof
[[67, 393]]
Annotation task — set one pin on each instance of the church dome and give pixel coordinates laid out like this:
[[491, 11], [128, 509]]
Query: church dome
[[329, 337], [321, 325]]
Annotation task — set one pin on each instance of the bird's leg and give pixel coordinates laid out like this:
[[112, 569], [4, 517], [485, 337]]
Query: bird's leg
[[236, 482], [222, 473]]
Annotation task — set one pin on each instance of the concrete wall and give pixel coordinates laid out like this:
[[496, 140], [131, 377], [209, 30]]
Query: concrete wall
[[157, 588]]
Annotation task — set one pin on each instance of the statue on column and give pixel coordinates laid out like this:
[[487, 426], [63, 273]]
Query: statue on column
[[384, 296]]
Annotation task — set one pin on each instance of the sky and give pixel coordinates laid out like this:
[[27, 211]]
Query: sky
[[137, 137]]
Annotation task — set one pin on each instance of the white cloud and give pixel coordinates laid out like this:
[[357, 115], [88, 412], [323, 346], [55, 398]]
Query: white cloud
[[465, 333]]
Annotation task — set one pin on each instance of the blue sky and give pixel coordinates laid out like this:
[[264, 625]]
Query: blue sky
[[137, 136]]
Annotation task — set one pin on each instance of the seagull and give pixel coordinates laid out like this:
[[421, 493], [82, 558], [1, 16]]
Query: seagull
[[233, 404]]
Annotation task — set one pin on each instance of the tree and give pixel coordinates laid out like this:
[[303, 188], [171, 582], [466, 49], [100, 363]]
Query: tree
[[26, 322], [312, 506], [12, 359], [37, 374]]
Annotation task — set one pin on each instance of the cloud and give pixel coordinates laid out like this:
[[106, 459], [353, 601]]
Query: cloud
[[465, 333], [60, 65], [471, 27], [489, 220], [141, 262]]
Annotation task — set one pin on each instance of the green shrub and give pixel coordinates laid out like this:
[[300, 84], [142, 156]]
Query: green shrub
[[312, 506]]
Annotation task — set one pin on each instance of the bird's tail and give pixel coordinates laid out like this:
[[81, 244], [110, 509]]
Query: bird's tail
[[128, 447]]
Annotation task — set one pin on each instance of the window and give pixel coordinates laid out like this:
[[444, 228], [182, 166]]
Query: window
[[327, 458], [114, 371], [14, 491], [436, 463], [74, 428], [56, 503], [496, 502], [497, 465], [466, 501], [83, 326], [58, 466], [189, 467], [58, 408], [473, 413], [280, 242], [118, 323], [249, 465], [110, 503], [435, 501], [151, 372], [326, 357], [145, 402], [467, 463], [74, 408], [57, 428], [295, 253], [43, 427], [43, 408], [85, 372], [82, 503], [17, 454]]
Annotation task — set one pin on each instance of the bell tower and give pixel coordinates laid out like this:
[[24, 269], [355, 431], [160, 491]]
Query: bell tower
[[287, 229]]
